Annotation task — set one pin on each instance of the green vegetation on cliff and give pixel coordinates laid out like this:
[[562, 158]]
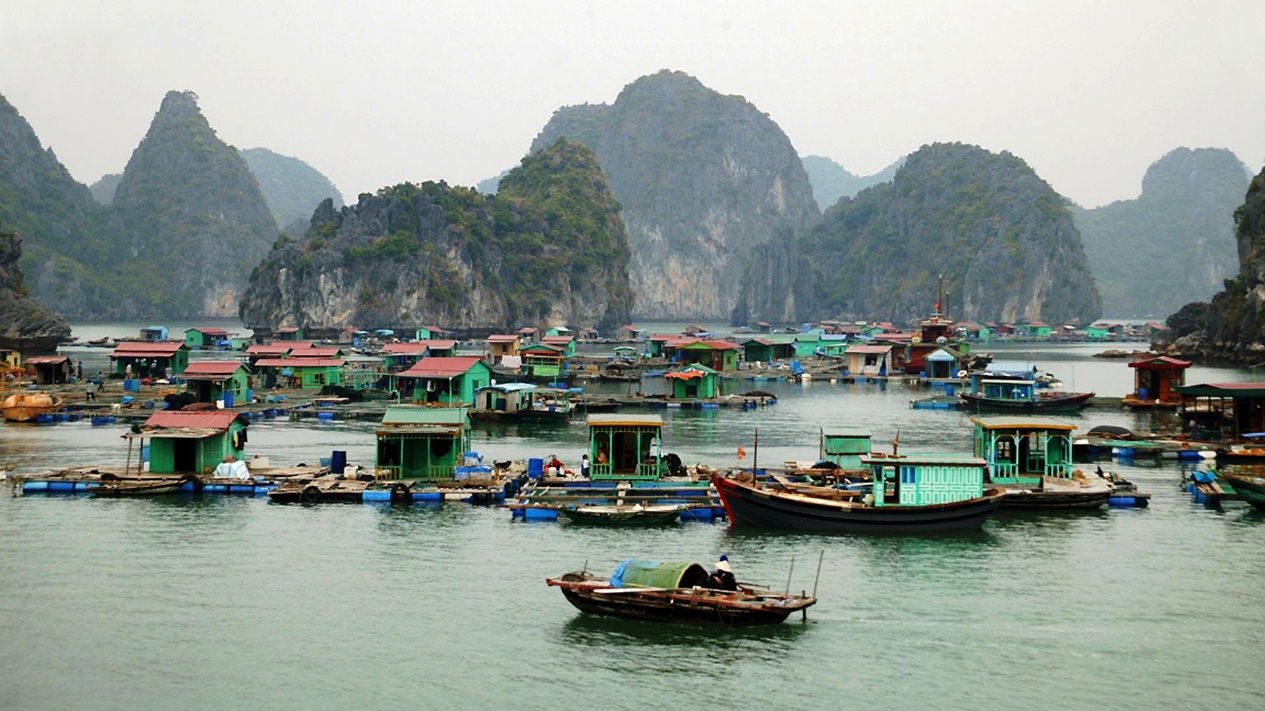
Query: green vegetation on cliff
[[549, 247], [291, 187], [832, 181], [1000, 236], [1172, 245]]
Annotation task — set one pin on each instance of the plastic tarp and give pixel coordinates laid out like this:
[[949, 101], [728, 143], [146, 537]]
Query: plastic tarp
[[651, 574]]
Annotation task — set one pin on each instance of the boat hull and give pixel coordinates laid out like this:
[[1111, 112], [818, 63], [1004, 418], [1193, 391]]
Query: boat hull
[[747, 505], [121, 489], [622, 515], [1249, 489], [682, 605], [1070, 403], [1036, 499]]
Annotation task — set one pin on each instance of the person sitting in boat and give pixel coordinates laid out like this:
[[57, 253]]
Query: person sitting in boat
[[230, 468], [722, 576]]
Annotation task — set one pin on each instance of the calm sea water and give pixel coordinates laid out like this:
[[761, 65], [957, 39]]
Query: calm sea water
[[238, 603]]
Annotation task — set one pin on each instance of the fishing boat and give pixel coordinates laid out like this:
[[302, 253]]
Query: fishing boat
[[914, 494], [1249, 488], [118, 488], [1022, 396], [675, 592], [24, 407], [520, 402], [622, 514]]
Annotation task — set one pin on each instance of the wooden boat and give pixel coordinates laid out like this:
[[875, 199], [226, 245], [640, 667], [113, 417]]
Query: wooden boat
[[622, 514], [1241, 455], [1042, 402], [934, 494], [118, 488], [1058, 493], [1249, 488], [99, 342], [24, 407], [675, 592]]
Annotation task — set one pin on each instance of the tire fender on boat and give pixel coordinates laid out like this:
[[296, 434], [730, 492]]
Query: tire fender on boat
[[401, 493], [195, 480], [311, 494]]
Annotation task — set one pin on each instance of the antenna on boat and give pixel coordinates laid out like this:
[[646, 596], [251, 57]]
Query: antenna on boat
[[789, 573]]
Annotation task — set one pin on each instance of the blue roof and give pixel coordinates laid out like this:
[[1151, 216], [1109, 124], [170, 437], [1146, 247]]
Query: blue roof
[[508, 387]]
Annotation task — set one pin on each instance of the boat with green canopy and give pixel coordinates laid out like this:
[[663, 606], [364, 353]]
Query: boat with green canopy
[[675, 592]]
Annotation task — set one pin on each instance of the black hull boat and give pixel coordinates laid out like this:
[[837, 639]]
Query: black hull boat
[[1040, 404], [747, 606], [768, 507]]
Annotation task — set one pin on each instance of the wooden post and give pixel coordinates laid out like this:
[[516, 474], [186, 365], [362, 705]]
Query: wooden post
[[128, 467]]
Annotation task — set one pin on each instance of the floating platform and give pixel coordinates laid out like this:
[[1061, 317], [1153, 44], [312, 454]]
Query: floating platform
[[82, 480], [540, 500]]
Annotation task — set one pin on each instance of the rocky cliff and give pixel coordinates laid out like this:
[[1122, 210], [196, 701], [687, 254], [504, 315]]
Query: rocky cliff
[[548, 249], [1233, 325], [1172, 245], [703, 178], [25, 325], [832, 181], [291, 187], [1001, 237]]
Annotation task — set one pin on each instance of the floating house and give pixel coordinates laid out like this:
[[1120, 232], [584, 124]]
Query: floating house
[[429, 333], [149, 359], [628, 333], [10, 357], [542, 360], [196, 338], [1020, 451], [1229, 410], [402, 356], [1034, 329], [289, 333], [556, 331], [944, 363], [154, 333], [300, 372], [925, 479], [626, 353], [421, 443], [501, 345], [766, 349], [261, 351], [50, 369], [520, 401], [528, 334], [625, 447], [183, 442], [869, 359], [1155, 381], [212, 381], [845, 447], [693, 381], [718, 355], [564, 343], [447, 381]]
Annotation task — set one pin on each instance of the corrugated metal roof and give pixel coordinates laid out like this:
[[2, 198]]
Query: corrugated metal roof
[[210, 419], [441, 367], [1243, 390], [633, 420], [277, 349], [214, 368], [145, 349], [1026, 423], [316, 352], [1160, 363], [961, 459], [46, 360], [300, 362], [502, 338], [210, 331], [417, 415], [868, 349]]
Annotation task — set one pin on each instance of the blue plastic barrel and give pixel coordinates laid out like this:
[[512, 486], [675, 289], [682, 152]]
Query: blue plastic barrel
[[375, 495], [325, 416], [948, 389], [338, 462], [535, 467], [33, 486], [228, 398]]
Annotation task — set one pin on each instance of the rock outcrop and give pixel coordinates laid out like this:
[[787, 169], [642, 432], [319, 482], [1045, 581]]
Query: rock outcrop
[[1174, 244], [291, 187], [703, 178], [1234, 323], [1001, 237], [25, 325], [548, 249]]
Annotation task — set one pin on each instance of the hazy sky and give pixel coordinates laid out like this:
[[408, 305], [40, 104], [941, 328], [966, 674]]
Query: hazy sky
[[376, 93]]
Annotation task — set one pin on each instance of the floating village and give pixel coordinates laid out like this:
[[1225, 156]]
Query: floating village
[[184, 407]]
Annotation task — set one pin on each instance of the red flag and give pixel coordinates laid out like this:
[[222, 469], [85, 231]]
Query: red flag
[[742, 453]]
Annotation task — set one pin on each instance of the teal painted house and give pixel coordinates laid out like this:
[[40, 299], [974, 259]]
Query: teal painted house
[[564, 343], [213, 381], [925, 479], [421, 443], [694, 381], [149, 360], [542, 360], [447, 381], [428, 333], [625, 447], [300, 372], [184, 442], [196, 338], [1022, 450]]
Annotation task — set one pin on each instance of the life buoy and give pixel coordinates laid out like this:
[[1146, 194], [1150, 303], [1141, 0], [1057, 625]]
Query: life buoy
[[401, 493], [311, 494]]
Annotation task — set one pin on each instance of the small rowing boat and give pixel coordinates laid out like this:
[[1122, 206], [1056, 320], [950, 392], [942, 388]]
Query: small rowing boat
[[622, 514]]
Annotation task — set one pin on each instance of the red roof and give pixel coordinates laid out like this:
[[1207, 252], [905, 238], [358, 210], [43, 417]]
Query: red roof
[[868, 349], [315, 352], [299, 362], [268, 349], [215, 369], [557, 340], [46, 360], [147, 349], [503, 338], [418, 347], [288, 329], [1160, 363], [198, 419], [684, 374], [441, 367], [210, 331], [528, 329]]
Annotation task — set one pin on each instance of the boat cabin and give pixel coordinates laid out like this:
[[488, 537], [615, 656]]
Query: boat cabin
[[149, 360], [509, 399], [625, 447], [1004, 388], [421, 443], [1231, 411], [447, 381], [626, 353], [925, 479], [845, 447], [633, 573], [184, 442], [50, 369], [1022, 450], [1155, 379], [693, 381], [223, 382]]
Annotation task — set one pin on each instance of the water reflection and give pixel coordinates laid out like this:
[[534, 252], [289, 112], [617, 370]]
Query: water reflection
[[714, 642]]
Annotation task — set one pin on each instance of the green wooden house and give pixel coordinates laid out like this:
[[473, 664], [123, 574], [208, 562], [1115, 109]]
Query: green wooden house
[[1035, 329], [845, 446], [214, 381], [301, 372], [543, 360], [421, 443], [806, 344], [431, 333], [558, 331], [717, 355], [184, 442], [447, 381], [1097, 331], [197, 338], [1022, 450], [564, 343], [289, 333], [693, 381], [767, 348], [625, 447], [925, 479], [149, 360]]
